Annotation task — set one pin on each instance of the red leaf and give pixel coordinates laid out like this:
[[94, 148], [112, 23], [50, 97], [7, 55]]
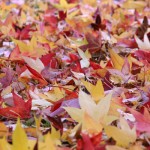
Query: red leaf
[[47, 58], [95, 65], [85, 144], [94, 42], [20, 109], [58, 103], [96, 139]]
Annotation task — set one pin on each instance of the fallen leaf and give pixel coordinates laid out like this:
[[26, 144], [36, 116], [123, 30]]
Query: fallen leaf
[[123, 136], [96, 91], [19, 138]]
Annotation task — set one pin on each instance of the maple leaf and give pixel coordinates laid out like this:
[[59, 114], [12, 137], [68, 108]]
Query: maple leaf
[[122, 136], [4, 145], [34, 64], [24, 32], [88, 143], [96, 91], [123, 76], [19, 138], [97, 25], [7, 79], [56, 94], [94, 43], [143, 28], [116, 60], [50, 140], [63, 5], [91, 116], [145, 44], [85, 61], [142, 55], [20, 109], [31, 49], [142, 120]]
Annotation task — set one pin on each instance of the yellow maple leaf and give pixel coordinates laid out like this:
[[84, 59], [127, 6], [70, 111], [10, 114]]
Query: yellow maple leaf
[[47, 143], [116, 60], [123, 136], [4, 145], [96, 91], [30, 49], [75, 113], [63, 5], [91, 116], [90, 125], [56, 94], [19, 138]]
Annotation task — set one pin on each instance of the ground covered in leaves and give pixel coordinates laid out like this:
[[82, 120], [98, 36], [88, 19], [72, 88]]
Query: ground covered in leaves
[[75, 75]]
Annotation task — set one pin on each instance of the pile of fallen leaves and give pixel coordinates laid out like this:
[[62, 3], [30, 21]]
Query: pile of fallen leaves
[[75, 75]]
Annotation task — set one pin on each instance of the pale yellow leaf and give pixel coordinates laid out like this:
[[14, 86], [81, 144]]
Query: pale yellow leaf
[[75, 113], [103, 107], [6, 91], [90, 125], [86, 103], [124, 135], [107, 120], [35, 64], [84, 62]]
